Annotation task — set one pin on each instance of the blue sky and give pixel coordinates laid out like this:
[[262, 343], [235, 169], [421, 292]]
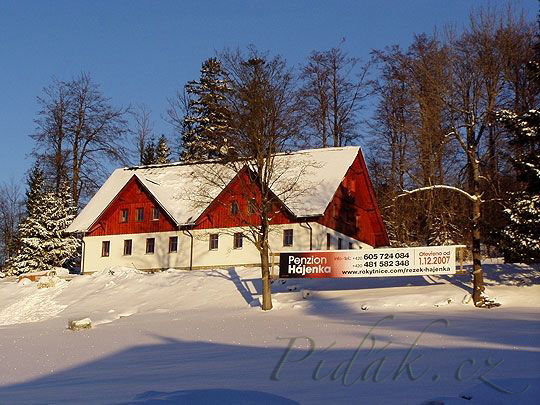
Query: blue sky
[[143, 51]]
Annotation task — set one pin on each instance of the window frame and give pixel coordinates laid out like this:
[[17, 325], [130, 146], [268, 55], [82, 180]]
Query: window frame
[[286, 233], [123, 219], [105, 252], [148, 244], [141, 219], [235, 209], [238, 236], [154, 216], [128, 242], [214, 237], [171, 238]]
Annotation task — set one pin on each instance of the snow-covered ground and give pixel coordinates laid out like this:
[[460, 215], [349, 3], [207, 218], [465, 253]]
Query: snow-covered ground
[[200, 337]]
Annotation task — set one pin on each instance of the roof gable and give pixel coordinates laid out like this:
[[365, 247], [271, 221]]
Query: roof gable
[[184, 191]]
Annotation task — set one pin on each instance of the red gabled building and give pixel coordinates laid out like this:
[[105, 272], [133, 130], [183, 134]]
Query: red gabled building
[[197, 215]]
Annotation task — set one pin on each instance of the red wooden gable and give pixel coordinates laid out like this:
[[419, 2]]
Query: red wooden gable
[[132, 196], [353, 210], [220, 214]]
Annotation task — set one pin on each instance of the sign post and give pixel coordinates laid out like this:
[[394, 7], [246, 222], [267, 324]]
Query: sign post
[[415, 261]]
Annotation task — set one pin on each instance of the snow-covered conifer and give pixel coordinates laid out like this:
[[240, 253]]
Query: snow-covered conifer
[[149, 155], [163, 152], [208, 124]]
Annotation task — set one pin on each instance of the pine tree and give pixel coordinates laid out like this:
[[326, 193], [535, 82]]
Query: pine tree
[[59, 213], [208, 123], [44, 243], [521, 238], [30, 256], [149, 155], [163, 152]]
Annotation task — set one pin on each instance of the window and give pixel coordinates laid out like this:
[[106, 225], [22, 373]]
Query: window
[[351, 245], [105, 248], [140, 215], [328, 241], [234, 208], [251, 205], [339, 244], [124, 215], [238, 240], [150, 245], [128, 244], [287, 237], [155, 214], [173, 244], [214, 241]]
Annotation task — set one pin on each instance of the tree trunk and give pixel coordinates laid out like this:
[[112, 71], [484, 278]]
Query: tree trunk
[[267, 292], [478, 274], [265, 269]]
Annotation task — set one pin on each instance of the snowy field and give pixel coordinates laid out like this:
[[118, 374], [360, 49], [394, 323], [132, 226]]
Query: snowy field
[[200, 337]]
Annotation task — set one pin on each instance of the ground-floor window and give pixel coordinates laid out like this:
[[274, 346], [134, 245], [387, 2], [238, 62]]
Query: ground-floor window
[[339, 244], [105, 248], [238, 240], [150, 245], [350, 245], [328, 241], [214, 241], [128, 245], [173, 244], [287, 237]]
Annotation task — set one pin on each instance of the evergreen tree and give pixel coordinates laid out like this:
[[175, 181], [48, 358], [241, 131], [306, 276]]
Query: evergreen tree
[[149, 155], [521, 238], [207, 123], [44, 243], [59, 213], [30, 256], [163, 152]]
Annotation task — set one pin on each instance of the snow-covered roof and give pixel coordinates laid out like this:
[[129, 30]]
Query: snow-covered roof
[[315, 174]]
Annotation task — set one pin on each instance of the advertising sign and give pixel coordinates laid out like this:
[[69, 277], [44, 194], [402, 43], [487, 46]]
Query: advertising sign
[[417, 261]]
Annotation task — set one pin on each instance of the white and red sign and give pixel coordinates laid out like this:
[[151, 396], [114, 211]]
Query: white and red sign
[[416, 261]]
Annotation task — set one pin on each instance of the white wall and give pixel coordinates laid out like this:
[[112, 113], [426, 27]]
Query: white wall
[[225, 255]]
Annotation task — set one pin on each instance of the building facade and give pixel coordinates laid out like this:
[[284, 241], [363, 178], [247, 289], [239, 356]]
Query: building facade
[[178, 216]]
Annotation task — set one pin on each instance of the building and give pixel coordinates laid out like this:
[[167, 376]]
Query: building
[[189, 216]]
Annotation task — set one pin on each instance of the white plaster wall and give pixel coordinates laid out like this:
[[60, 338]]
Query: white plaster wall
[[225, 255]]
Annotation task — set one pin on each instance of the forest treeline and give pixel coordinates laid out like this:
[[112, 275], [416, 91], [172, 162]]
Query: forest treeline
[[448, 127]]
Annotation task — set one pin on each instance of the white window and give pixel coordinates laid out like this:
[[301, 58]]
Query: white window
[[214, 241], [288, 237]]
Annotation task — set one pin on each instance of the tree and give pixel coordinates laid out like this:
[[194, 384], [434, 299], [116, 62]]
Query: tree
[[163, 152], [264, 121], [333, 89], [522, 235], [207, 124], [43, 241], [149, 155], [11, 212], [78, 131], [59, 212], [143, 130], [30, 255]]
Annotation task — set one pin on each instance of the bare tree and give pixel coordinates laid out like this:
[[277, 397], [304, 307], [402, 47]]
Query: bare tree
[[143, 129], [334, 87], [264, 122], [78, 131], [11, 212]]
